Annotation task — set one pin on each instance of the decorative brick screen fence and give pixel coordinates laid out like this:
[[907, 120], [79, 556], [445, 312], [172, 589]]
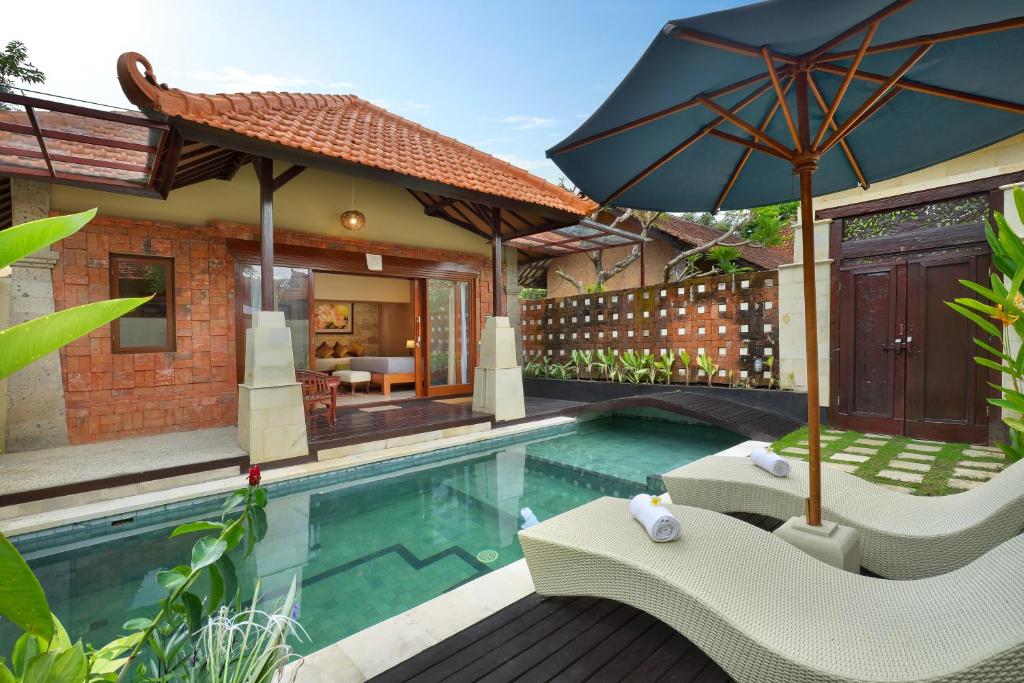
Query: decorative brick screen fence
[[733, 319]]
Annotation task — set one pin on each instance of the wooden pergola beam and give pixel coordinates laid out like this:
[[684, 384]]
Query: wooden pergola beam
[[39, 138], [52, 134]]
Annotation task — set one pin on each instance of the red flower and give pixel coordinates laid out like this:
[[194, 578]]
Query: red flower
[[254, 475]]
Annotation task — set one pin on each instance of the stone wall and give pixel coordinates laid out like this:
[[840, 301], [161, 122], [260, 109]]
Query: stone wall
[[731, 318], [111, 395]]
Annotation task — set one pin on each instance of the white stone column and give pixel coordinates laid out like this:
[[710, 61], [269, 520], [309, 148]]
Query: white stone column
[[498, 381], [512, 297], [271, 418], [792, 352], [35, 395]]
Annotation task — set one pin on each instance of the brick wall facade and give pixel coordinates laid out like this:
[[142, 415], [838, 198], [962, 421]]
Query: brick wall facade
[[116, 395], [731, 318]]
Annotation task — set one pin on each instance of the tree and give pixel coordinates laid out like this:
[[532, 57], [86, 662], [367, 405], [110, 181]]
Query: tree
[[14, 66], [647, 219]]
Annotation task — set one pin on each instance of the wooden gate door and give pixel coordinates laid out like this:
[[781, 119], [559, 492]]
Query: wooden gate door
[[905, 358], [872, 367], [946, 389]]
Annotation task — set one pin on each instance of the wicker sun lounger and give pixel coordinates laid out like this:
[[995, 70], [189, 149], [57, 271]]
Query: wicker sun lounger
[[902, 537], [767, 612]]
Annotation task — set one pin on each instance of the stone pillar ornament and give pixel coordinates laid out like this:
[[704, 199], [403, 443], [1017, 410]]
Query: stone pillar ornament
[[271, 418], [498, 380]]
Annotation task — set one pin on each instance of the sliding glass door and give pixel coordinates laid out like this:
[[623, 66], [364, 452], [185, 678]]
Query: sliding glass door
[[448, 337], [291, 296]]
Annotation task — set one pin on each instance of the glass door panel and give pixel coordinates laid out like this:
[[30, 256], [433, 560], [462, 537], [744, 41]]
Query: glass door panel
[[448, 323], [291, 296]]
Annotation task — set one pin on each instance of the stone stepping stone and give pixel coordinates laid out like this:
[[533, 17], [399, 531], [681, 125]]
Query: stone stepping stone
[[850, 457], [916, 456], [833, 431], [843, 466], [907, 465], [897, 488], [872, 442], [975, 464], [796, 450], [828, 437], [977, 453], [861, 449], [965, 473], [934, 443], [963, 483], [896, 475], [926, 447], [991, 449]]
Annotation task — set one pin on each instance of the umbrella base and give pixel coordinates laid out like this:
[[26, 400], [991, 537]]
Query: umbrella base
[[831, 543]]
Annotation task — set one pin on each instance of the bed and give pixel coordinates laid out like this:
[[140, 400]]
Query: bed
[[387, 370]]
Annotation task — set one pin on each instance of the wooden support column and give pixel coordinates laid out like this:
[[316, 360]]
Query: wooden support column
[[499, 283], [265, 174]]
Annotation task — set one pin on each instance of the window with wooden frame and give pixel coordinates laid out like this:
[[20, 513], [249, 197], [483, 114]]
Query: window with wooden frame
[[150, 327]]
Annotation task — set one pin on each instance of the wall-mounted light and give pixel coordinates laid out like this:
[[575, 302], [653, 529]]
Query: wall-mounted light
[[410, 344]]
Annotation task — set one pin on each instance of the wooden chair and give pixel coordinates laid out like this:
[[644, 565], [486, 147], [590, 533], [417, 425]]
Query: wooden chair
[[318, 388]]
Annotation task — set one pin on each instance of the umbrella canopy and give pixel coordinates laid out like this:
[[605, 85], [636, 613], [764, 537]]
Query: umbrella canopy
[[756, 105], [964, 92]]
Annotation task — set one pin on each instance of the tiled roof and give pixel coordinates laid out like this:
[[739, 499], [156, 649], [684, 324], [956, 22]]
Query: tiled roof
[[695, 234], [348, 128]]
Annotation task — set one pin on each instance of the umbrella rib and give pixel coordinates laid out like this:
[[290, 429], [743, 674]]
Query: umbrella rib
[[708, 40], [650, 118], [752, 130], [751, 144], [869, 104], [766, 54], [747, 152], [830, 113], [884, 100], [842, 143], [875, 18], [968, 32], [678, 149], [924, 88]]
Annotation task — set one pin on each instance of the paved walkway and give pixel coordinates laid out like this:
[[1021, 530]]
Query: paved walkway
[[903, 464], [72, 464]]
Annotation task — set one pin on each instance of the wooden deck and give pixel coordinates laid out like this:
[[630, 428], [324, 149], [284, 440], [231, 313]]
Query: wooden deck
[[373, 422], [566, 639]]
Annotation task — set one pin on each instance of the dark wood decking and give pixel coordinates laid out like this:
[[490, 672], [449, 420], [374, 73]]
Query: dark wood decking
[[355, 424], [566, 639]]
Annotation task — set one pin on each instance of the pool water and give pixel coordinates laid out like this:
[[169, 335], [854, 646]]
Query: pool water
[[365, 549]]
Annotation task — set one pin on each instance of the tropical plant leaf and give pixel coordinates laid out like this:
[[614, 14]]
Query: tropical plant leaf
[[258, 524], [230, 577], [22, 600], [206, 551], [29, 341], [23, 240], [172, 579], [192, 527], [978, 320]]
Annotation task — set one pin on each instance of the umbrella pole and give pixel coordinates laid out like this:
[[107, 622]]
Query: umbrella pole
[[811, 341], [804, 164]]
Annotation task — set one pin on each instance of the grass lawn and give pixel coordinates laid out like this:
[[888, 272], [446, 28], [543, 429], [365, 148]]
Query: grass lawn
[[950, 471]]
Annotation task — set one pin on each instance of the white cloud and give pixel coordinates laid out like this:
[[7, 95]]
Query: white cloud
[[231, 78], [522, 122], [418, 106]]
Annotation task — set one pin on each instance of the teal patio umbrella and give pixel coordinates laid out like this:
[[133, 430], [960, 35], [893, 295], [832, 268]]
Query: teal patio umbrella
[[724, 109]]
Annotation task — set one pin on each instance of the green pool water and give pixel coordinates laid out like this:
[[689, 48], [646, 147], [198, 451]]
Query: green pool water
[[368, 548]]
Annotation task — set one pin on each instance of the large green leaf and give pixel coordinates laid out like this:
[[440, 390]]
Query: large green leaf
[[192, 527], [22, 600], [206, 551], [26, 343], [28, 238]]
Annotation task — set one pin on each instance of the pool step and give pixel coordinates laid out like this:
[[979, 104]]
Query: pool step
[[401, 442]]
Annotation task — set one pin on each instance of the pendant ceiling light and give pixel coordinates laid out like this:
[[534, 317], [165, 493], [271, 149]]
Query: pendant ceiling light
[[352, 219]]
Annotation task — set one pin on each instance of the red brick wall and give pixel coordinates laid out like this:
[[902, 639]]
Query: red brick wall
[[110, 395]]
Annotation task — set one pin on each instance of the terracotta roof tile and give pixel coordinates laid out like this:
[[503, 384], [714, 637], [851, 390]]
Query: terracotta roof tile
[[349, 128]]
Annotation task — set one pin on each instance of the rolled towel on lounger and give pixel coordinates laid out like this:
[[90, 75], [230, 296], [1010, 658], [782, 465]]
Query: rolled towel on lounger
[[659, 523], [770, 461]]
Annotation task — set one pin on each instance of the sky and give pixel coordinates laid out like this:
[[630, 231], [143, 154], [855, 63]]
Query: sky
[[510, 78]]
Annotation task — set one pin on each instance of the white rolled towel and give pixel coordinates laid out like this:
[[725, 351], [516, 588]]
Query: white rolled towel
[[529, 519], [659, 523], [770, 461]]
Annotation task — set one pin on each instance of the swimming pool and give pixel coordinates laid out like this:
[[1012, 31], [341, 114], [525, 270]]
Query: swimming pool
[[368, 542]]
